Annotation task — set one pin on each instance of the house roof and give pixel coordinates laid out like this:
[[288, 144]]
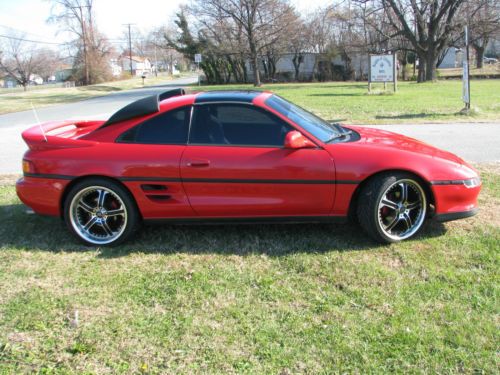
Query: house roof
[[134, 58]]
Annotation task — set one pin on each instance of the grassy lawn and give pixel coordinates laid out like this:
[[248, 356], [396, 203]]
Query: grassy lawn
[[275, 299], [40, 97], [414, 102]]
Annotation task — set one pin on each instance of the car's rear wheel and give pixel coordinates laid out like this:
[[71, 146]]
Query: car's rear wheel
[[100, 212], [392, 207]]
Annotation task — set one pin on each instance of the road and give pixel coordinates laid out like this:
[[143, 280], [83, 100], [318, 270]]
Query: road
[[12, 147], [474, 142]]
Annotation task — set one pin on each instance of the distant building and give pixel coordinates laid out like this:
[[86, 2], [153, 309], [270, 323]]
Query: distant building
[[63, 73], [116, 69], [8, 82], [452, 58], [314, 66], [35, 79], [140, 65]]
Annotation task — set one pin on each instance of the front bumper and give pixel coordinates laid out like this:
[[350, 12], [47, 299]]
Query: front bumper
[[454, 199], [455, 215]]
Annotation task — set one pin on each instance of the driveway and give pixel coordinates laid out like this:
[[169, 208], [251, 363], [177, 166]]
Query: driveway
[[474, 142]]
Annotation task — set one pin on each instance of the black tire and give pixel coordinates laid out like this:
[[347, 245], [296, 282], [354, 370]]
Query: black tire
[[396, 218], [106, 206]]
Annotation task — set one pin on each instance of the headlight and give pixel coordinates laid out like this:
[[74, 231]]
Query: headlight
[[472, 182]]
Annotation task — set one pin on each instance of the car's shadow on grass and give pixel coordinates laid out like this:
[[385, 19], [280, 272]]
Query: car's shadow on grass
[[20, 231], [414, 116]]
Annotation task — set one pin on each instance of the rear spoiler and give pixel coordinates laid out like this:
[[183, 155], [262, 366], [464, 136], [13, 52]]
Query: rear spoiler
[[142, 107], [59, 134]]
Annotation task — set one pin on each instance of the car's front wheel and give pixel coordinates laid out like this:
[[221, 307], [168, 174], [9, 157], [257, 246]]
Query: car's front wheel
[[392, 207], [100, 212]]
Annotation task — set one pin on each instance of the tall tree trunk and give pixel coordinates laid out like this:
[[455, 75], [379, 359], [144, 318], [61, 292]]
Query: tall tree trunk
[[430, 68], [297, 60], [245, 73], [266, 68], [256, 73], [479, 55], [255, 62], [421, 68]]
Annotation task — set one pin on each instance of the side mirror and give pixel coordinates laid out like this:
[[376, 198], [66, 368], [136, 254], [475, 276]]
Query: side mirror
[[295, 140]]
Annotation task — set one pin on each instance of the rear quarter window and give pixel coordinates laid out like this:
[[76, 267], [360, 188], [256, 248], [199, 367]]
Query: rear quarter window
[[166, 128]]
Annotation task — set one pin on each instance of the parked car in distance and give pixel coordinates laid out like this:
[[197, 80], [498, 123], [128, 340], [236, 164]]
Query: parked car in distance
[[236, 156], [490, 60]]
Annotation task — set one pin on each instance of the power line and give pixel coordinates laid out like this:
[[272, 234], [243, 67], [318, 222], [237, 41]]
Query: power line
[[32, 41], [25, 32]]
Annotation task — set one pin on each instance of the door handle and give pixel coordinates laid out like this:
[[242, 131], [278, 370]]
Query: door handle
[[198, 163]]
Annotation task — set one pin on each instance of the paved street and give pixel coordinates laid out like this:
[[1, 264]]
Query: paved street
[[12, 147], [475, 142]]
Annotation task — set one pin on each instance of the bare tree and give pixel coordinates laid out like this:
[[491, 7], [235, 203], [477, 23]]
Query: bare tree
[[20, 59], [428, 25], [77, 17], [49, 61], [298, 43], [260, 21], [483, 18], [221, 44]]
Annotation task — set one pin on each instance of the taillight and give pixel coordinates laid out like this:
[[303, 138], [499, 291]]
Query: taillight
[[28, 166]]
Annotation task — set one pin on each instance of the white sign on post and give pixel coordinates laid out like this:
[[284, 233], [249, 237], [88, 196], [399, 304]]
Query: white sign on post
[[197, 58], [382, 68]]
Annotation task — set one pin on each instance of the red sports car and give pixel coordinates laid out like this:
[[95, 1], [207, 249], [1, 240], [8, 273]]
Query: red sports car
[[233, 156]]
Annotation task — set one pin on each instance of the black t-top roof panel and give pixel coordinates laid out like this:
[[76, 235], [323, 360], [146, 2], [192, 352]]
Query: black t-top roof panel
[[142, 107], [226, 96]]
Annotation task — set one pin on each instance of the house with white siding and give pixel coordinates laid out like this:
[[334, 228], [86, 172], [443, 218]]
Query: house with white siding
[[140, 65]]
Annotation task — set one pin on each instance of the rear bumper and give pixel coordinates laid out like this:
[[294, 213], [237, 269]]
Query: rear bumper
[[456, 215], [42, 195]]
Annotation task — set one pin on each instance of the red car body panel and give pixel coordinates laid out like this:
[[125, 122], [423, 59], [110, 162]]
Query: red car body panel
[[193, 181], [258, 181]]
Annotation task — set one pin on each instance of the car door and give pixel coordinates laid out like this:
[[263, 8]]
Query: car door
[[235, 165], [149, 157]]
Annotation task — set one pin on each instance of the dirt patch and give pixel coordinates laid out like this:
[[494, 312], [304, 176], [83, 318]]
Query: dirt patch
[[8, 179], [493, 167]]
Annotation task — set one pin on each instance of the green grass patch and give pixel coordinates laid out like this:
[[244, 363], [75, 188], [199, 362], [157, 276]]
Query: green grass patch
[[414, 102], [250, 299]]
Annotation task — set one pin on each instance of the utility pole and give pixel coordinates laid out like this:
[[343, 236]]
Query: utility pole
[[130, 46], [156, 59], [466, 73], [414, 53]]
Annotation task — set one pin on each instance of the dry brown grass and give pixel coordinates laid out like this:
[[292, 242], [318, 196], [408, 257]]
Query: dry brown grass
[[8, 179]]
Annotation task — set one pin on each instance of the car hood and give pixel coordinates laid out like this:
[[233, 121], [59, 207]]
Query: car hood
[[386, 139]]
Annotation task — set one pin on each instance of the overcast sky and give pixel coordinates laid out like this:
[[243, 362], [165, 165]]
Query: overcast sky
[[30, 16]]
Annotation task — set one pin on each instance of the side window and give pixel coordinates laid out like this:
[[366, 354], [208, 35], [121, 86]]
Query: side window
[[236, 124], [167, 128]]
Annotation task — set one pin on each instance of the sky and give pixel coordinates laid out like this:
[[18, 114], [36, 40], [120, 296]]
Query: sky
[[30, 16]]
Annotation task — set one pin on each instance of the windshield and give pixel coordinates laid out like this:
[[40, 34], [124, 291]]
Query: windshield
[[306, 120]]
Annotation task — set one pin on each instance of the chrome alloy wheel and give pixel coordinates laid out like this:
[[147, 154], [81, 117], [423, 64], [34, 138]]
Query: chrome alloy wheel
[[98, 215], [401, 210]]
